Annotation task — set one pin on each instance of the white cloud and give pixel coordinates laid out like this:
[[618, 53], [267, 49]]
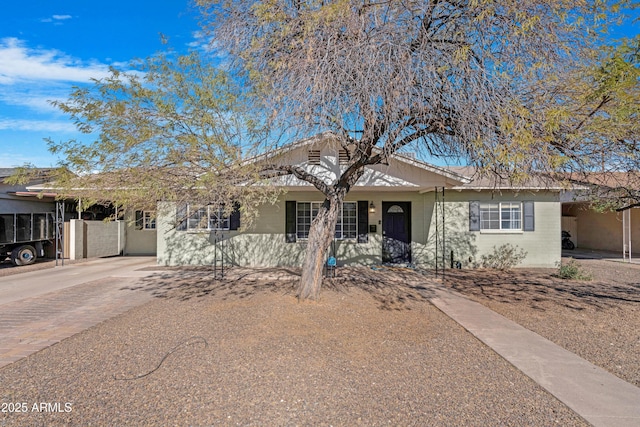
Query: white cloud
[[56, 18], [33, 100], [37, 125], [20, 63]]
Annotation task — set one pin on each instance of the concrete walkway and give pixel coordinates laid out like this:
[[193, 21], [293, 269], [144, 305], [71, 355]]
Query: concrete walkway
[[41, 308], [593, 393]]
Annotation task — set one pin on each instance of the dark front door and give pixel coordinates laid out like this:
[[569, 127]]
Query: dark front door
[[396, 232]]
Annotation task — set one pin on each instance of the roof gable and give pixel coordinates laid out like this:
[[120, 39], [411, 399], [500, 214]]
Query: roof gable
[[321, 155]]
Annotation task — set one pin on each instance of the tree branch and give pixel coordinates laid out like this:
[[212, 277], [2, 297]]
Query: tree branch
[[299, 173]]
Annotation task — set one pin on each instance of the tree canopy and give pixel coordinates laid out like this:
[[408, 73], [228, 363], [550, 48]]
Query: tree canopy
[[171, 129], [492, 84], [471, 81], [601, 108]]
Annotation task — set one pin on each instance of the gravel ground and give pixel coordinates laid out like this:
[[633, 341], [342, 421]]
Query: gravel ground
[[597, 320], [243, 351]]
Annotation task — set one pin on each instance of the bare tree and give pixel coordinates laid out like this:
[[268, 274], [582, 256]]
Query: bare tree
[[460, 80]]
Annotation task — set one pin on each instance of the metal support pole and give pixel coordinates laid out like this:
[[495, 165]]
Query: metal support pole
[[59, 232], [444, 249], [626, 235], [435, 213]]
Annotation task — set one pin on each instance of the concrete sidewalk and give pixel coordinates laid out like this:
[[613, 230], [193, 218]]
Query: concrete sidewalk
[[593, 393], [41, 308]]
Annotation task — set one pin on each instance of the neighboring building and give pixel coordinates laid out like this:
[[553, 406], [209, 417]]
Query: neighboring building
[[608, 230], [87, 234], [16, 198], [395, 214]]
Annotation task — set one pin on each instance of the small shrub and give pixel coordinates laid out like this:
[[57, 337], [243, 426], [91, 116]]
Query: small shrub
[[573, 271], [503, 257]]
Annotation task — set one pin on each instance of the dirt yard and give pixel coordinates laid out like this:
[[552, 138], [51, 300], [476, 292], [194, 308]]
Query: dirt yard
[[598, 320], [243, 351]]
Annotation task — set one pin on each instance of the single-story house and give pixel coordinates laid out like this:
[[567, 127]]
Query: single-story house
[[406, 211]]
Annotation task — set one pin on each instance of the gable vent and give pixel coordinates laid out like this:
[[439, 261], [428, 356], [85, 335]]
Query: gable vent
[[343, 157], [314, 157]]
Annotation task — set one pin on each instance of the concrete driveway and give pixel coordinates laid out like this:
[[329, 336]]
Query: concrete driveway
[[40, 308]]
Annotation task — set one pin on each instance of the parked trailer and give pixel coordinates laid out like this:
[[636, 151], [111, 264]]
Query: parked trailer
[[23, 236]]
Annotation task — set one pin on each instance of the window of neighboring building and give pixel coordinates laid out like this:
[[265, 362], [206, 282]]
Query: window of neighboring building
[[145, 220], [346, 227], [501, 216]]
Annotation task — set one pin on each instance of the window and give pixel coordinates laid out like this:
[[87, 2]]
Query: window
[[501, 216], [149, 222], [145, 220], [346, 227], [204, 218]]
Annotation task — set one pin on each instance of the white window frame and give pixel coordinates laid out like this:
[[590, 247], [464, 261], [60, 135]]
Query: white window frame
[[346, 225], [503, 217], [148, 220], [213, 221]]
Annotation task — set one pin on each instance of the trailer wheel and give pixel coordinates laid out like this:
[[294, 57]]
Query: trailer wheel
[[23, 255]]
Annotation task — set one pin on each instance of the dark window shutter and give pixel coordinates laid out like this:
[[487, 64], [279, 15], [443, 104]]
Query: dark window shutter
[[181, 217], [290, 221], [474, 216], [363, 221], [139, 220], [529, 216], [234, 219]]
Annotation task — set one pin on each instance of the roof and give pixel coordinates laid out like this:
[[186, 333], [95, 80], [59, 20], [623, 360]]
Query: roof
[[491, 181], [7, 172], [610, 180]]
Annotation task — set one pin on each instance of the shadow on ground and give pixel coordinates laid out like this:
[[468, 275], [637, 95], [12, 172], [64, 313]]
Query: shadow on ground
[[393, 289], [537, 286]]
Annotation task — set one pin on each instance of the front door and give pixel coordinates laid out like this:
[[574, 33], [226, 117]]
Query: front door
[[396, 232]]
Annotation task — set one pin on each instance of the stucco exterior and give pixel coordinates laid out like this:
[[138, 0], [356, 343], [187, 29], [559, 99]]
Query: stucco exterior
[[403, 179], [264, 244], [138, 240]]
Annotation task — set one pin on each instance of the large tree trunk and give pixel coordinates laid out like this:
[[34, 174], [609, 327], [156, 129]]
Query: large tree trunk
[[320, 236]]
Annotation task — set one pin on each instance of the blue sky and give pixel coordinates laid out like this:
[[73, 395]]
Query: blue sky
[[48, 46]]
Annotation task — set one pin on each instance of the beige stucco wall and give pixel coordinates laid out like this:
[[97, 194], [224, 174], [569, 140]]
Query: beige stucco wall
[[602, 230], [90, 239], [264, 244], [138, 242], [542, 245]]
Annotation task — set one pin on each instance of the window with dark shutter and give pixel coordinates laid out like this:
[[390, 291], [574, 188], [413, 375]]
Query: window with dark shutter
[[234, 219], [139, 220], [529, 216], [181, 217], [290, 221], [474, 216], [363, 221]]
